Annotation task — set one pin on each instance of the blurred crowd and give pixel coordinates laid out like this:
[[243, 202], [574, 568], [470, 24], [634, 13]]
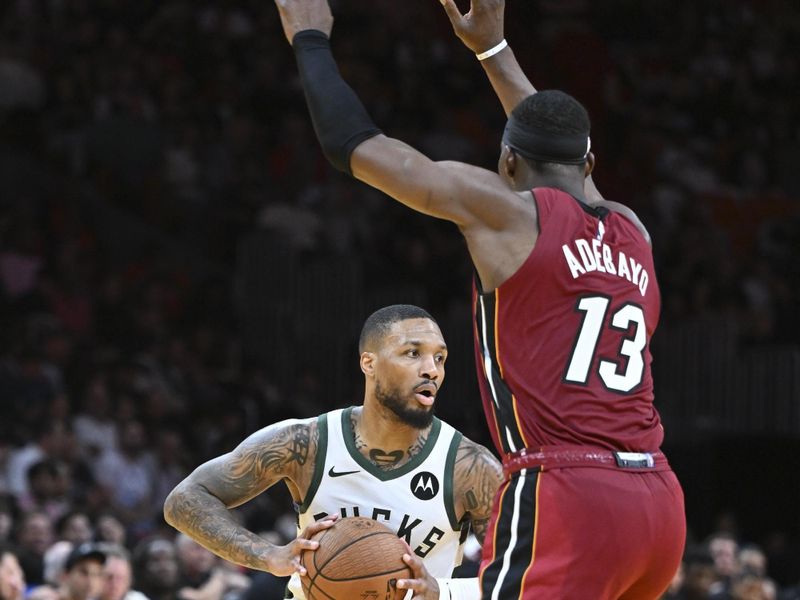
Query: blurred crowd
[[142, 141]]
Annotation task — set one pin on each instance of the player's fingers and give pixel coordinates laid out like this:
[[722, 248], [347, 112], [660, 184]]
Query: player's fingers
[[298, 567], [318, 526], [306, 544], [415, 563], [453, 13], [417, 585]]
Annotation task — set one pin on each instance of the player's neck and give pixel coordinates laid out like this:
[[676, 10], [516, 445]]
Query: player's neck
[[384, 440], [573, 187]]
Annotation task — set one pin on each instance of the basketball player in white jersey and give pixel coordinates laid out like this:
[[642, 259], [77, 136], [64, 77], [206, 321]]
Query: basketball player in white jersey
[[389, 459]]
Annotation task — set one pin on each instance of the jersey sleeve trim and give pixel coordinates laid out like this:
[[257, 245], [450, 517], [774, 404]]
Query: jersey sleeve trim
[[319, 463], [449, 481]]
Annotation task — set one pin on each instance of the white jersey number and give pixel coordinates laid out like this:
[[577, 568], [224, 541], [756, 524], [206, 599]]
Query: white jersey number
[[594, 309]]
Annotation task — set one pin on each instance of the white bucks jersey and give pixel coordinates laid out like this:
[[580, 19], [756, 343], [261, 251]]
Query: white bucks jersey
[[415, 500]]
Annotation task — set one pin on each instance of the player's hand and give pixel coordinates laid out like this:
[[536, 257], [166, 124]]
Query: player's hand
[[423, 585], [297, 15], [285, 560], [482, 27]]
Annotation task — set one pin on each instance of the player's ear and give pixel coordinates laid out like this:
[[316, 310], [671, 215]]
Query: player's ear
[[509, 162], [589, 167], [367, 362]]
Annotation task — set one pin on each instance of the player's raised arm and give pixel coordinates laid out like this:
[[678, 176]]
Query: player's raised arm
[[481, 30], [466, 195], [199, 505]]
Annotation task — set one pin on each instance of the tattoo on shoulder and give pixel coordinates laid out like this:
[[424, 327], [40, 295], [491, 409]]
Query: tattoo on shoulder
[[276, 452]]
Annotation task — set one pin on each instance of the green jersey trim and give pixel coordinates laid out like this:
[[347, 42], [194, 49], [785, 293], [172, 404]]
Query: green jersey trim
[[449, 474], [319, 463], [350, 443]]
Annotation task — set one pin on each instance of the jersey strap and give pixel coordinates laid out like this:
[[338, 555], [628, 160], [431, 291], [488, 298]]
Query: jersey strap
[[319, 463]]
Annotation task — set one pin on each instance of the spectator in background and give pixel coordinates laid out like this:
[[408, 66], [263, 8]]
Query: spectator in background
[[110, 530], [52, 440], [196, 563], [54, 560], [752, 560], [202, 570], [12, 579], [34, 536], [8, 509], [170, 465], [82, 578], [723, 548], [26, 393], [700, 574], [95, 430], [118, 575], [75, 527], [155, 568], [751, 587], [128, 476], [48, 487]]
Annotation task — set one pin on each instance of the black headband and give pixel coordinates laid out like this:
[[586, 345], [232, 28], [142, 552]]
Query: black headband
[[535, 144]]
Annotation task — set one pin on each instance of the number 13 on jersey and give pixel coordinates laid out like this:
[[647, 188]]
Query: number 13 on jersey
[[614, 374]]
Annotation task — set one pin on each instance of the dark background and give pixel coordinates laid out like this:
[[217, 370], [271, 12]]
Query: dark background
[[170, 228]]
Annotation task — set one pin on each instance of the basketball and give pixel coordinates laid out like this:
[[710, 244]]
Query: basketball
[[357, 558]]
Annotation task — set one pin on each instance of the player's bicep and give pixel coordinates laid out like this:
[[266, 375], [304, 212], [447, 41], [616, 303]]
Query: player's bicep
[[269, 455], [478, 475], [457, 192]]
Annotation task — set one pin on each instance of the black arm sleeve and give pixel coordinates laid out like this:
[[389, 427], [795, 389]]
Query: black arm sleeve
[[340, 120]]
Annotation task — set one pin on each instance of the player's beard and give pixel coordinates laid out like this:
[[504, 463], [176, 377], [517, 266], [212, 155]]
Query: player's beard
[[418, 418]]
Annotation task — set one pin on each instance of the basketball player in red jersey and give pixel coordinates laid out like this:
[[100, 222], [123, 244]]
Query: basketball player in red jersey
[[566, 302]]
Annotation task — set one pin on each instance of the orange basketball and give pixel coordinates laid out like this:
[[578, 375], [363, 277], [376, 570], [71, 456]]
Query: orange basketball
[[357, 558]]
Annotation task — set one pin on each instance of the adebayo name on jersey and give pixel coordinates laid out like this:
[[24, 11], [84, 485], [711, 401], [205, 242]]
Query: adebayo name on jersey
[[406, 528], [594, 255]]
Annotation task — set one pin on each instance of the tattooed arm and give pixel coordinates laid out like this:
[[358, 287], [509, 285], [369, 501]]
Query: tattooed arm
[[477, 476], [199, 505]]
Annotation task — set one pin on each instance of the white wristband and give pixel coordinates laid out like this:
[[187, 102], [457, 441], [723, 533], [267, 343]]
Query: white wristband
[[492, 51]]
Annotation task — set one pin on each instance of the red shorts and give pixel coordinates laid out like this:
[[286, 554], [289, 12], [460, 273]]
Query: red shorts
[[577, 525]]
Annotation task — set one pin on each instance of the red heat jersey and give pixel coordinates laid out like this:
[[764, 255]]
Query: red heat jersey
[[563, 346]]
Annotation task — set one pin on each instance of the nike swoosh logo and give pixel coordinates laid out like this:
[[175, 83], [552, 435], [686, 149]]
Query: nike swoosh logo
[[333, 473]]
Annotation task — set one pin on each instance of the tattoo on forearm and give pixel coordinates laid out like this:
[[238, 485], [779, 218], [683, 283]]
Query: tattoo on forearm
[[256, 464], [206, 519]]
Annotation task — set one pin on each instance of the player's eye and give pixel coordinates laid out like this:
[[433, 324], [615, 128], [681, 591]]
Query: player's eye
[[412, 353]]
